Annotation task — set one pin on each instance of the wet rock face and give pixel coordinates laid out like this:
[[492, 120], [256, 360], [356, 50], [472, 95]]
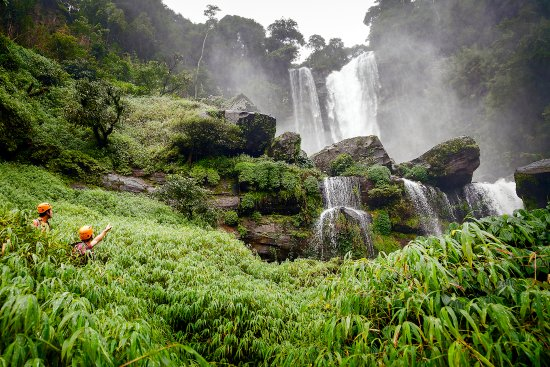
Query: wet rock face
[[271, 240], [258, 130], [366, 150], [124, 183], [286, 147], [533, 184], [450, 164]]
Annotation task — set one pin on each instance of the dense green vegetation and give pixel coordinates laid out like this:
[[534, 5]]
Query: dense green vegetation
[[158, 288]]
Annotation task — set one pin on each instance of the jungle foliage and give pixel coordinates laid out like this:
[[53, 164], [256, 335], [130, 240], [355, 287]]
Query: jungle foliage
[[161, 292]]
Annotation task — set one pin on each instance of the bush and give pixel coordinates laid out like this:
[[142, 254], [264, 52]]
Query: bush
[[205, 176], [248, 202], [76, 164], [382, 223], [383, 195], [417, 173], [340, 164], [231, 218], [378, 174], [187, 197]]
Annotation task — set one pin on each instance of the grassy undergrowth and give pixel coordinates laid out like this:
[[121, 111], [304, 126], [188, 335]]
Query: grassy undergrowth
[[162, 290]]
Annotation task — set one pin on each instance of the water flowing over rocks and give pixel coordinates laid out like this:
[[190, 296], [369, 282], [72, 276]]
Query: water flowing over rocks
[[366, 150], [341, 196], [533, 183], [450, 164]]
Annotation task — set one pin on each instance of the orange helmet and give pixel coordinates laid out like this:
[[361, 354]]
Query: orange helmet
[[86, 232], [43, 207]]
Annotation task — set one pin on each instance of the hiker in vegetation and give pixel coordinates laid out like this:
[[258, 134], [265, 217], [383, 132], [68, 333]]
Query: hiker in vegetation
[[45, 212], [88, 241]]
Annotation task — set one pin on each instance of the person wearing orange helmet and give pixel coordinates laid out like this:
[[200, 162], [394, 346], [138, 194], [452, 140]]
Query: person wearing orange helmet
[[45, 213], [88, 241]]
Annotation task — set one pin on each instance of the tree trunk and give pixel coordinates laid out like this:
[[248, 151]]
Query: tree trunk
[[199, 63]]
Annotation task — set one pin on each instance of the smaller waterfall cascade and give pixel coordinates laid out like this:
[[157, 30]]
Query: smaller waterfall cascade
[[341, 195], [352, 99], [431, 204], [308, 121], [492, 199]]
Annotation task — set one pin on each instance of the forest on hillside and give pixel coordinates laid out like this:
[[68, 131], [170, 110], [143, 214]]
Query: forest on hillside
[[476, 67]]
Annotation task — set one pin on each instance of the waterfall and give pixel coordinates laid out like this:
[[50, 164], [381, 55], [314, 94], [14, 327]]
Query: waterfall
[[352, 99], [485, 199], [341, 196], [431, 205], [307, 111]]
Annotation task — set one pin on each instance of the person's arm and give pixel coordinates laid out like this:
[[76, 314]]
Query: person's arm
[[100, 236]]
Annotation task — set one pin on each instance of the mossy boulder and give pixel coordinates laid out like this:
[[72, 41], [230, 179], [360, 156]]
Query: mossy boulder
[[286, 147], [449, 165], [533, 184], [365, 150], [257, 129]]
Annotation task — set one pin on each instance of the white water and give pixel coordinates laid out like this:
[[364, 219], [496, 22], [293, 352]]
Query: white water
[[341, 195], [352, 99], [431, 204], [492, 198], [307, 111]]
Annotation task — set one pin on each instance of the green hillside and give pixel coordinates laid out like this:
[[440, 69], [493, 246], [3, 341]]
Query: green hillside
[[160, 287]]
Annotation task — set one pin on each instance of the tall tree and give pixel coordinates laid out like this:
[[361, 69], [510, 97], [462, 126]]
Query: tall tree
[[210, 14]]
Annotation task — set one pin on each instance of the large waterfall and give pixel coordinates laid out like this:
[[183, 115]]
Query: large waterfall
[[492, 199], [341, 197], [308, 121], [352, 99]]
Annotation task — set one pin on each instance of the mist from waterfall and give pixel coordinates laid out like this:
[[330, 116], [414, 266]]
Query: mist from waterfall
[[341, 196], [308, 121], [352, 101]]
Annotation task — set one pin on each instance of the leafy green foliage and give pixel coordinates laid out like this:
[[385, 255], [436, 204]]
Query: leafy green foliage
[[203, 137], [76, 165], [340, 164], [205, 176], [231, 218], [416, 173], [187, 197], [382, 223], [378, 174], [465, 297], [99, 106]]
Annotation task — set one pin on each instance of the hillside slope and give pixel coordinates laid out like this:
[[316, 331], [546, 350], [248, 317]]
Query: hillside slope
[[466, 298]]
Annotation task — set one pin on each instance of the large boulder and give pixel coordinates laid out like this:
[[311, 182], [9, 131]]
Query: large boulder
[[241, 103], [258, 130], [533, 184], [126, 183], [366, 150], [451, 164], [272, 240], [286, 147]]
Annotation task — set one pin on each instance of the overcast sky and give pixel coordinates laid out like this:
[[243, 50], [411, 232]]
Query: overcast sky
[[341, 19]]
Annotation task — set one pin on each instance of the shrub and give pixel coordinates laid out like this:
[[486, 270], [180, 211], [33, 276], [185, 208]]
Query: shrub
[[340, 164], [76, 164], [417, 173], [382, 223], [199, 137], [248, 202], [378, 174], [187, 197], [383, 195], [205, 176], [231, 218]]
